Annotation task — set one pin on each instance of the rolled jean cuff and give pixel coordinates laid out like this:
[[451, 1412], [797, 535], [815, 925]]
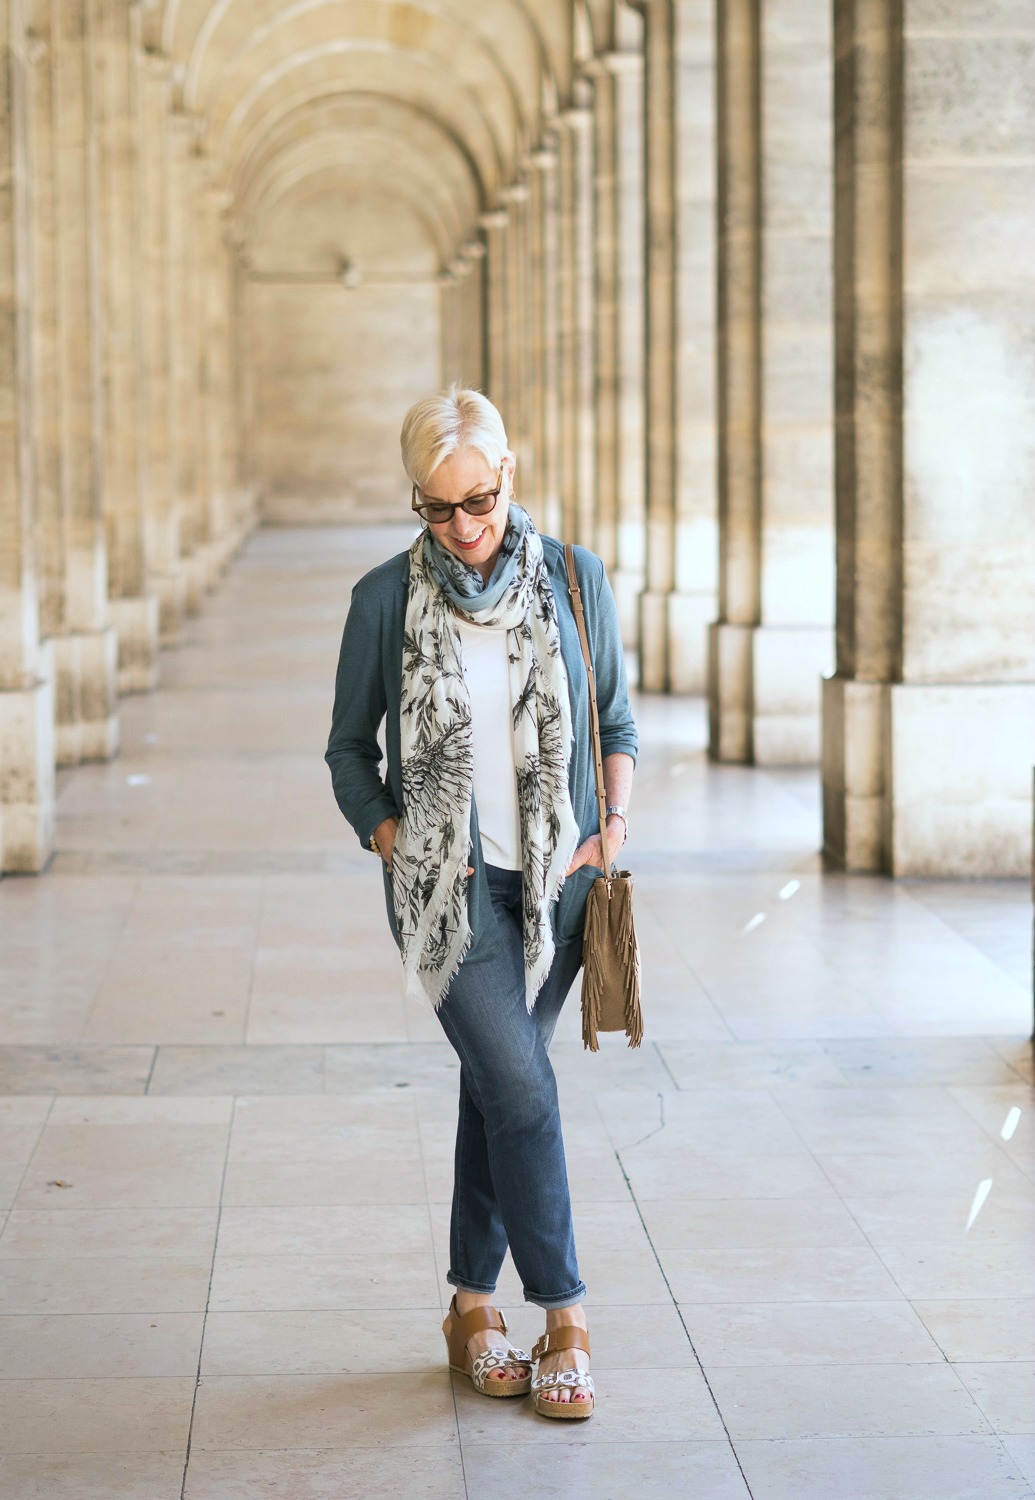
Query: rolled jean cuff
[[562, 1299], [468, 1286]]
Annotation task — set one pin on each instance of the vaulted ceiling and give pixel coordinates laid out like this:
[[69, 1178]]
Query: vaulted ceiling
[[431, 103]]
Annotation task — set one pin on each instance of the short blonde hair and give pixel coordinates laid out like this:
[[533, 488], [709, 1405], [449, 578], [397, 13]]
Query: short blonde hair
[[438, 426]]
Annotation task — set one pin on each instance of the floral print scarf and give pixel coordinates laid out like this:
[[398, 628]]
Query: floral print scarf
[[433, 844]]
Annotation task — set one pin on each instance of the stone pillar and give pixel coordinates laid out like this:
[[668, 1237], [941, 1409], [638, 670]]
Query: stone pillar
[[86, 647], [679, 600], [165, 576], [183, 360], [576, 325], [472, 331], [622, 79], [772, 640], [495, 225], [517, 416], [215, 352], [449, 333], [545, 255], [26, 667], [46, 425], [605, 541], [929, 721], [133, 609]]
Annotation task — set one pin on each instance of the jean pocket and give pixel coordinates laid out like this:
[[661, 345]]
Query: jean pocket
[[570, 912]]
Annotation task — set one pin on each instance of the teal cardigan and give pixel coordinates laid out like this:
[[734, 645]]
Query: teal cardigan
[[368, 691]]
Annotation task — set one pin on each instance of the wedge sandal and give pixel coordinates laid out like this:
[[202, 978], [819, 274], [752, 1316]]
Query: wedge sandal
[[574, 1380], [479, 1367]]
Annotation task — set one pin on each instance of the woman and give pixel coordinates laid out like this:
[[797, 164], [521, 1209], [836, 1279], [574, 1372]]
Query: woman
[[467, 648]]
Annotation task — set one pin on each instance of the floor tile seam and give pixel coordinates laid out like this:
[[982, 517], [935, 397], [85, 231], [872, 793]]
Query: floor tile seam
[[102, 977], [29, 1160], [438, 1280], [204, 1321], [679, 1314], [957, 932], [844, 1201], [719, 1014], [260, 919]]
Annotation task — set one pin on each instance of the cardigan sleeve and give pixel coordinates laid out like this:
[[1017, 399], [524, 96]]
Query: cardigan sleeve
[[617, 727], [353, 750]]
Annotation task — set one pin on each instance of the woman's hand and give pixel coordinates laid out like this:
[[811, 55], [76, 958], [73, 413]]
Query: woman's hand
[[384, 837], [589, 852]]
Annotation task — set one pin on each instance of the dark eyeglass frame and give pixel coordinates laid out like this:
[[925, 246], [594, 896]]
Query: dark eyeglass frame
[[422, 509]]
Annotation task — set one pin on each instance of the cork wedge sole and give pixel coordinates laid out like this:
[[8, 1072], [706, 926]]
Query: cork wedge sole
[[478, 1368]]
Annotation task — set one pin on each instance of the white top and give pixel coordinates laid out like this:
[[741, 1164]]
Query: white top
[[487, 669]]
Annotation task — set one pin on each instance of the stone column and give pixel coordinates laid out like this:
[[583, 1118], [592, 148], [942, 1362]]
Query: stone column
[[517, 415], [165, 576], [134, 610], [576, 324], [929, 721], [449, 312], [27, 748], [183, 360], [46, 425], [772, 639], [622, 78], [679, 600], [215, 355], [495, 225], [545, 255], [606, 277], [86, 647], [472, 331]]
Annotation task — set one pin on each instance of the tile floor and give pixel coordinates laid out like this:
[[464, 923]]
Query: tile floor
[[804, 1208]]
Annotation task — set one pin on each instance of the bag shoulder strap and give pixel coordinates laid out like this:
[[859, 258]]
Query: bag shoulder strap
[[575, 594]]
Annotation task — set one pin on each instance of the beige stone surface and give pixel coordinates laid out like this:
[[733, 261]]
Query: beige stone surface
[[769, 1196]]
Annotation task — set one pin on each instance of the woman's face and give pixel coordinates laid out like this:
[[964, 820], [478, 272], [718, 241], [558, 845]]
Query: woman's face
[[477, 539]]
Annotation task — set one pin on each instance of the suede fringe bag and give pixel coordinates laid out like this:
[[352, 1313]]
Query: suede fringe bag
[[610, 954]]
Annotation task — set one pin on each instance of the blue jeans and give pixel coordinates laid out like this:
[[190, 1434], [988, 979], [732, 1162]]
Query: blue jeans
[[510, 1181]]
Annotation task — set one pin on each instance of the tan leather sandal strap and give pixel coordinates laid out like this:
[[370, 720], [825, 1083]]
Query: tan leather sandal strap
[[562, 1338], [475, 1320]]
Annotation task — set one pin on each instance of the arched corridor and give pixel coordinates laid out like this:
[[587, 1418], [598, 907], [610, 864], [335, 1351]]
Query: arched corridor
[[776, 374], [751, 285], [228, 1139]]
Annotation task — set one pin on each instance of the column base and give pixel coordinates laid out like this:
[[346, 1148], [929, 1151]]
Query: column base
[[929, 781], [854, 761], [86, 714], [136, 624], [674, 641], [27, 783], [764, 692], [170, 589], [195, 574]]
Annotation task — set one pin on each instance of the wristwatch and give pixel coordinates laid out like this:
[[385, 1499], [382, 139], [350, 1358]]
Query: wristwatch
[[619, 812]]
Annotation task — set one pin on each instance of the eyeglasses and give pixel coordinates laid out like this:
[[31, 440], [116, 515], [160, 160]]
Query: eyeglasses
[[438, 512]]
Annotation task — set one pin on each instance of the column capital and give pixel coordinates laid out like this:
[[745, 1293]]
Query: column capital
[[515, 192], [623, 62], [473, 250], [544, 158], [495, 218], [576, 119]]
